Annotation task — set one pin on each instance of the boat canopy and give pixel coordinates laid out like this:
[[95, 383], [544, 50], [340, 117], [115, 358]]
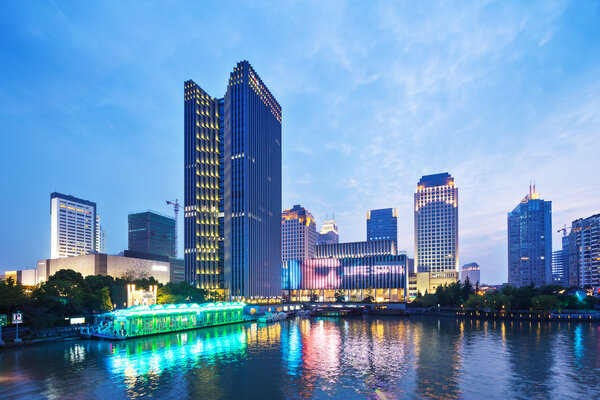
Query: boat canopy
[[158, 309]]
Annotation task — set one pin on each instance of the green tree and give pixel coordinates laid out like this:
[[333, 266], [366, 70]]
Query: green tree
[[475, 302], [182, 292], [430, 300], [467, 289], [12, 296], [544, 303]]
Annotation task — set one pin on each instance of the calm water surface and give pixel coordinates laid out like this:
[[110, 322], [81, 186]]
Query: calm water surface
[[361, 358]]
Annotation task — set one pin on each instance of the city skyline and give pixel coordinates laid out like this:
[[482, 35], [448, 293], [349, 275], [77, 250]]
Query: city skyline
[[496, 107]]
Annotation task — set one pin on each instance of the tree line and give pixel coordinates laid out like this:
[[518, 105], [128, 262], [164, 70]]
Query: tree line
[[68, 294], [527, 298]]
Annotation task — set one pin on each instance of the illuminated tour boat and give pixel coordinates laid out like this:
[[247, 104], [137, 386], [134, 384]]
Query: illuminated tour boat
[[150, 320]]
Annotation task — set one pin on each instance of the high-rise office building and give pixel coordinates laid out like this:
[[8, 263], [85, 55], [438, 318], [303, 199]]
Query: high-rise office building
[[530, 241], [100, 237], [584, 253], [298, 234], [233, 187], [472, 272], [382, 224], [72, 226], [560, 263], [436, 225], [203, 228], [151, 233], [328, 233]]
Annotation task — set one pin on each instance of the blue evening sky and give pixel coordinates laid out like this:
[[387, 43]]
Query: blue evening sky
[[374, 95]]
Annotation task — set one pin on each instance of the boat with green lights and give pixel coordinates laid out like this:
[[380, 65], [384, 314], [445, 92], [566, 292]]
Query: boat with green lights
[[155, 319]]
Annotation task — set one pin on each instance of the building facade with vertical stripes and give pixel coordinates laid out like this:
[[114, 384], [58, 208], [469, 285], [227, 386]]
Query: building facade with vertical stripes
[[354, 270], [233, 188], [202, 125]]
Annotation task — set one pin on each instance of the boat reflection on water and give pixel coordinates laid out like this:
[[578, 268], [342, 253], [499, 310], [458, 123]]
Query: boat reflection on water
[[300, 358], [155, 354]]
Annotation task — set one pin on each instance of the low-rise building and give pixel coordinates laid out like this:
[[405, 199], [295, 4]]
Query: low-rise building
[[427, 282], [26, 277], [104, 264]]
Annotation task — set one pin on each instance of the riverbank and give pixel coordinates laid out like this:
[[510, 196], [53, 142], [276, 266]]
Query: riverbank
[[508, 315]]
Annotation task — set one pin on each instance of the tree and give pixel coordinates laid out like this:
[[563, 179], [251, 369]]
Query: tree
[[314, 298], [339, 297], [12, 296], [430, 300], [475, 302], [182, 292], [467, 289], [544, 303]]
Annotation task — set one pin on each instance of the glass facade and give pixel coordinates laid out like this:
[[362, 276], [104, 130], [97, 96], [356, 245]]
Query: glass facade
[[560, 264], [356, 249], [436, 224], [530, 242], [382, 224], [356, 277], [233, 187], [152, 233], [202, 229]]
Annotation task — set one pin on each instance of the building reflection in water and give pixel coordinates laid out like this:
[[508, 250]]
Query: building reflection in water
[[438, 359], [142, 361], [362, 357]]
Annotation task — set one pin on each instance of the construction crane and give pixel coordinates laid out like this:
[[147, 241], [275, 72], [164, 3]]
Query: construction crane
[[563, 230], [175, 204]]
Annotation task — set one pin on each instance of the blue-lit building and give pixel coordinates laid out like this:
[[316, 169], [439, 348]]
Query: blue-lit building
[[233, 188], [357, 249], [354, 270], [560, 263], [530, 242], [382, 224]]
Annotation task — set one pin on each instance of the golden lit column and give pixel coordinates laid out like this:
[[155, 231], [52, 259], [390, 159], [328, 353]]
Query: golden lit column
[[202, 207]]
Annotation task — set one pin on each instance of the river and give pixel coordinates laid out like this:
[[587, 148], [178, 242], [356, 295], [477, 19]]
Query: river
[[353, 358]]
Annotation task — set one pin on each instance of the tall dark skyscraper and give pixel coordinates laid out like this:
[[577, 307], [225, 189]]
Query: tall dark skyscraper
[[530, 241], [382, 225], [233, 187], [151, 233]]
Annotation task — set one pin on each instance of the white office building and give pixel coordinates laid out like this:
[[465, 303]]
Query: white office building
[[100, 237], [72, 226], [472, 272], [298, 234], [436, 224]]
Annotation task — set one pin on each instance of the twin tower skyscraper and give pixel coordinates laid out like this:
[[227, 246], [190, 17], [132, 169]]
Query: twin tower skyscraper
[[233, 188]]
